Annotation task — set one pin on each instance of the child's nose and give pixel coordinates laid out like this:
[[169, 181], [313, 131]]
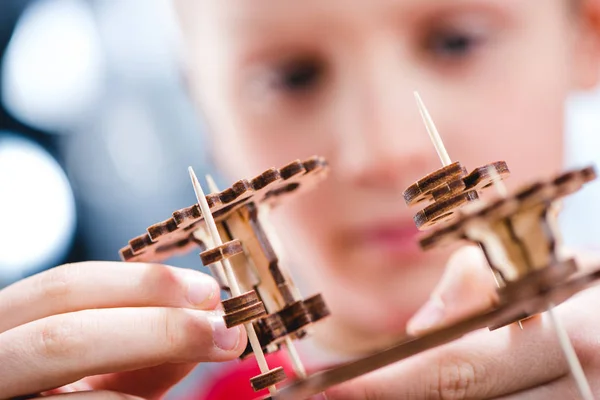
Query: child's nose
[[383, 142]]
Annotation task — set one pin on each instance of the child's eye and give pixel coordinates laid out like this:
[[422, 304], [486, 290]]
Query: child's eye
[[451, 44], [298, 76]]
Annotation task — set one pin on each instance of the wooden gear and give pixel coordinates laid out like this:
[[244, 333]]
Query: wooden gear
[[448, 189], [269, 300], [529, 291], [518, 234]]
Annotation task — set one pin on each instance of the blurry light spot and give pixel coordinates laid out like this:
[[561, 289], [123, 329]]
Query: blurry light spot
[[37, 208], [53, 65], [140, 38], [579, 220]]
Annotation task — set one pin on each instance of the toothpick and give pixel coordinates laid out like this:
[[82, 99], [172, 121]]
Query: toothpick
[[433, 132], [498, 182], [567, 347], [295, 358], [232, 281], [296, 361], [212, 185]]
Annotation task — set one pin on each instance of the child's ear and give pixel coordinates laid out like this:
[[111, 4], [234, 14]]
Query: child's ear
[[587, 46]]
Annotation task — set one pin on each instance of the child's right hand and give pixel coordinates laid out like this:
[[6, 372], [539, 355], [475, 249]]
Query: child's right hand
[[135, 329]]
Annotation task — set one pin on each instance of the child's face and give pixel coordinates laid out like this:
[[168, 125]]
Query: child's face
[[281, 80]]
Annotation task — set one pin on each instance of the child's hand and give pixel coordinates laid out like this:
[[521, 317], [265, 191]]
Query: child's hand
[[506, 363], [136, 329]]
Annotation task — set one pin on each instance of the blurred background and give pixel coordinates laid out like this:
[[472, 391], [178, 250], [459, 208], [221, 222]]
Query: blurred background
[[96, 132]]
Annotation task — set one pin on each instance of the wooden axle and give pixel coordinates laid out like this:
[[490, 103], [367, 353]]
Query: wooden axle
[[265, 301]]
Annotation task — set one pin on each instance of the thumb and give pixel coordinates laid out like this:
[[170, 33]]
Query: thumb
[[467, 286]]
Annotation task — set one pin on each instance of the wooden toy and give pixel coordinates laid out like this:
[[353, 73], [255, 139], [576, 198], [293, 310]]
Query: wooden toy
[[517, 232]]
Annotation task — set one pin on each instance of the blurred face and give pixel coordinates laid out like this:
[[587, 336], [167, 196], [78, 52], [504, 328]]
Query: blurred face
[[284, 80]]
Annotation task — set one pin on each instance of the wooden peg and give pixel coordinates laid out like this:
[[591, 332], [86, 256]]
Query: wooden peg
[[232, 281], [246, 224], [433, 132]]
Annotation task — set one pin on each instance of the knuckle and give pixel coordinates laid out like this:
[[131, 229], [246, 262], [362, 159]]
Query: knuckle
[[58, 340], [57, 283], [457, 378], [158, 282]]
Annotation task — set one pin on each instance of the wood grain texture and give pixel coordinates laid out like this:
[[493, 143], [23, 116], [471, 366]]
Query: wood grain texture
[[237, 303], [226, 250], [422, 189], [541, 192], [247, 314], [173, 236], [270, 378], [448, 189], [537, 301]]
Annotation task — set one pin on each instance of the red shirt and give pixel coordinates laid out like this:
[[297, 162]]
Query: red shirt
[[233, 381]]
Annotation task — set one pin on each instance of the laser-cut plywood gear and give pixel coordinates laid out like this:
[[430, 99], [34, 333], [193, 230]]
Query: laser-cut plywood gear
[[448, 189], [411, 346], [518, 234], [269, 299], [535, 274], [174, 235]]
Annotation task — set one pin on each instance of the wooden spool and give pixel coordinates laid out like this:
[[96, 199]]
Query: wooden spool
[[422, 189], [237, 303], [270, 378], [220, 253], [448, 189], [295, 316], [271, 329], [316, 307], [242, 309]]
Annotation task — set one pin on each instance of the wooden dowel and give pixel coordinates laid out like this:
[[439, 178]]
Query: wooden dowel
[[291, 349], [433, 132], [296, 361], [232, 281], [567, 347], [498, 182]]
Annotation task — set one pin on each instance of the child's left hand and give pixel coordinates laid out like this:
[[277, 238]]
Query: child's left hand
[[507, 363]]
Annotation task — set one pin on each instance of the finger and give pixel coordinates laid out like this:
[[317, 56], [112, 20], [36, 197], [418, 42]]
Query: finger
[[467, 286], [563, 388], [61, 349], [81, 286], [485, 364], [95, 395], [149, 383]]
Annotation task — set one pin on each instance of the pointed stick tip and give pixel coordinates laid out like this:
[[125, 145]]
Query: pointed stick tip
[[191, 172], [212, 185]]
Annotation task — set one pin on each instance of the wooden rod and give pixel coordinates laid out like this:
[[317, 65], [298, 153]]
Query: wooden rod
[[433, 132], [567, 347], [232, 281]]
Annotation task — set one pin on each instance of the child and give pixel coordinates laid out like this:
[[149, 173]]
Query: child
[[284, 80]]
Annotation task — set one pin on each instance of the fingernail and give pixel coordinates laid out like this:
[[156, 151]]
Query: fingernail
[[223, 337], [428, 316], [201, 289]]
